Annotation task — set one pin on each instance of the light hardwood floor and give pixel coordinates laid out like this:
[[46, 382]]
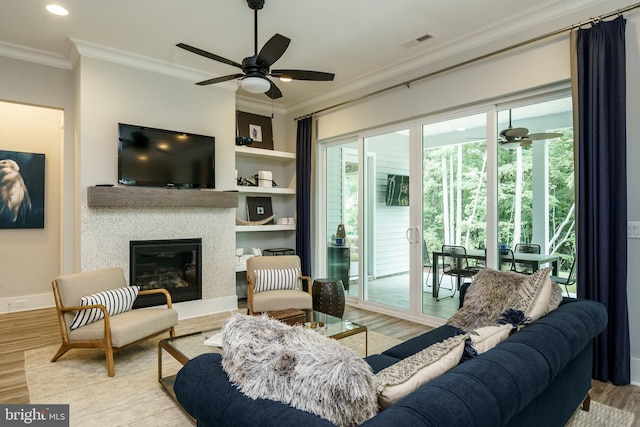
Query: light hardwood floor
[[38, 328]]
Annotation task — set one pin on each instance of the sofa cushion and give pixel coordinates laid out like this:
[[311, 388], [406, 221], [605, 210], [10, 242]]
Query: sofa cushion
[[380, 361], [116, 301], [406, 376], [276, 279], [267, 359], [419, 343]]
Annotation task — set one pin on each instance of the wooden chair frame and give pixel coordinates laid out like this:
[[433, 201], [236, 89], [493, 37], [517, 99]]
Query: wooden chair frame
[[105, 342]]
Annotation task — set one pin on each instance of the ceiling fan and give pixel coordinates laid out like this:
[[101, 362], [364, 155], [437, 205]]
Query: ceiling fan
[[512, 138], [256, 68]]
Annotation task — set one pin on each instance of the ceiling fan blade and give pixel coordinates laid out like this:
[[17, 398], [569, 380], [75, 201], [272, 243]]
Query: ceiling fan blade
[[219, 79], [546, 135], [304, 75], [273, 92], [208, 55], [517, 132], [525, 142], [273, 50]]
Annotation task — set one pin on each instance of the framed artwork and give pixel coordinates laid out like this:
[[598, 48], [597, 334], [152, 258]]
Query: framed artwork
[[256, 127], [259, 209], [21, 190], [397, 190]]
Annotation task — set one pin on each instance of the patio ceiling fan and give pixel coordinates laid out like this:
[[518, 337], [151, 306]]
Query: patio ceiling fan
[[256, 68], [512, 138]]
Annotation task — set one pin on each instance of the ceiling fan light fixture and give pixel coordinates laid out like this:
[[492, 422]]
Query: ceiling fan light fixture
[[512, 145], [255, 84]]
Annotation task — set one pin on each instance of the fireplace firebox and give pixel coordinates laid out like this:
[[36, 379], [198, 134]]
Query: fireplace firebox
[[174, 265]]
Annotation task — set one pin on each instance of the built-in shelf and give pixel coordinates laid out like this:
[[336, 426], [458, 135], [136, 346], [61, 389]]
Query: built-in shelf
[[265, 190], [270, 227], [159, 197], [263, 154]]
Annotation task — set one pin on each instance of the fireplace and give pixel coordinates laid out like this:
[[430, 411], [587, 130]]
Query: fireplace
[[174, 265]]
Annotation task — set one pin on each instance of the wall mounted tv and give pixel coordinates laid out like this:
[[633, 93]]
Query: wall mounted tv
[[164, 158]]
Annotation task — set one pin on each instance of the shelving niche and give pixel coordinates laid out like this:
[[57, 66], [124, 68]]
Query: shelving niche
[[282, 166]]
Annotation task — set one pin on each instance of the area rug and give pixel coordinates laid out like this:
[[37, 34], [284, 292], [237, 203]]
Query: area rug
[[600, 415], [133, 397]]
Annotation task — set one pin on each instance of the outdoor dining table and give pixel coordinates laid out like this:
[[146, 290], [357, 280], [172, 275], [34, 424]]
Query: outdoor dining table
[[533, 260]]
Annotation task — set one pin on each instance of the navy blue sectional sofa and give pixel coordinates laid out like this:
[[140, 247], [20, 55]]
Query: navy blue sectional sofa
[[536, 377]]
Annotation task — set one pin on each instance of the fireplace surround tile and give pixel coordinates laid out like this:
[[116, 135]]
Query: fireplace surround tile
[[106, 232]]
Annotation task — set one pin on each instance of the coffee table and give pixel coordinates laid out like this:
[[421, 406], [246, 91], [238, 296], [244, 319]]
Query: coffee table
[[186, 347]]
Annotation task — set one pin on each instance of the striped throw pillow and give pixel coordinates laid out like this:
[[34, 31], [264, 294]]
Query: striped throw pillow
[[276, 279], [115, 301]]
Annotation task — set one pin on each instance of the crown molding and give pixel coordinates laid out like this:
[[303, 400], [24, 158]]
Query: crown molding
[[37, 56]]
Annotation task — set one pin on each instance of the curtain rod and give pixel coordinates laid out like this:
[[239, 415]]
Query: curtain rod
[[471, 61]]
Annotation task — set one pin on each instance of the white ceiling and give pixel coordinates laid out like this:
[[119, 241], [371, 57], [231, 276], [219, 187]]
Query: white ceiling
[[361, 41]]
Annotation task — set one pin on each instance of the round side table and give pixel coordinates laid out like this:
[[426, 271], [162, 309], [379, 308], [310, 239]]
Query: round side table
[[328, 296]]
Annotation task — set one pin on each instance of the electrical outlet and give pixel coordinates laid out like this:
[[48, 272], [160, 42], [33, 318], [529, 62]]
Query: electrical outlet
[[19, 303], [633, 230]]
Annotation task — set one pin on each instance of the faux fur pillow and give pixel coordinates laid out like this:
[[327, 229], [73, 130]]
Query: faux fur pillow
[[486, 299], [407, 375], [267, 359]]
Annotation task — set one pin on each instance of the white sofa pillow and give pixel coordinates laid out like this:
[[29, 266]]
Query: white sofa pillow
[[115, 301], [276, 279], [406, 376], [487, 337]]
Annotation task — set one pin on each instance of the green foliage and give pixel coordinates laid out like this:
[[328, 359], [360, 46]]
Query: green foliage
[[442, 161]]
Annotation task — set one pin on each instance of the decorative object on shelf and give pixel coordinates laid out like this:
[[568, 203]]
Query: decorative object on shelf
[[340, 232], [243, 140], [21, 190], [259, 208], [265, 179], [268, 220], [255, 127], [397, 190]]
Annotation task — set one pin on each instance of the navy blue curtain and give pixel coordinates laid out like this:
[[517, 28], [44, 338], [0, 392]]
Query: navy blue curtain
[[602, 190], [303, 193]]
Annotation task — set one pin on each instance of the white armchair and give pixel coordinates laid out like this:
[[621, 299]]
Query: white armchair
[[94, 311], [274, 283]]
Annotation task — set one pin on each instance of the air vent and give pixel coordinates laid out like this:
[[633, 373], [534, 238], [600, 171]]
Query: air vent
[[416, 42]]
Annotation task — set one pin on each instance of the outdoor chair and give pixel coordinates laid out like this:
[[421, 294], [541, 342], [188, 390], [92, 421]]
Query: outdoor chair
[[427, 264], [94, 311], [525, 248], [455, 263], [507, 260], [571, 279], [275, 283]]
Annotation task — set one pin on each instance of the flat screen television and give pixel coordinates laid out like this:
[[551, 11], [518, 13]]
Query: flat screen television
[[164, 158]]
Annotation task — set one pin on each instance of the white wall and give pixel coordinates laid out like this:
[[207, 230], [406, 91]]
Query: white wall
[[30, 129], [111, 93], [633, 190], [544, 64], [39, 85]]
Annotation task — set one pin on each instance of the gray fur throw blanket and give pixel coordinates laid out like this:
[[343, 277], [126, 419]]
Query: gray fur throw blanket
[[267, 359]]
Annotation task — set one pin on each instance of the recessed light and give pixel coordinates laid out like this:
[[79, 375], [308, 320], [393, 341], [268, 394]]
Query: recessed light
[[56, 9], [285, 79]]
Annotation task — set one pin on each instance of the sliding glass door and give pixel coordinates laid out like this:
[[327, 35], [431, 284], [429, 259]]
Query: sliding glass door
[[454, 200], [460, 179], [386, 222]]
